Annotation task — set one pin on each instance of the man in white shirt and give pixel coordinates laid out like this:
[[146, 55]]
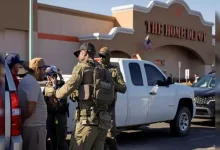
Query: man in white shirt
[[33, 107]]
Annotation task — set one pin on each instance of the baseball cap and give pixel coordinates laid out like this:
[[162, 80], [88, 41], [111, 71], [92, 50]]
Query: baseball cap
[[51, 70], [13, 59], [85, 46], [104, 51], [37, 62]]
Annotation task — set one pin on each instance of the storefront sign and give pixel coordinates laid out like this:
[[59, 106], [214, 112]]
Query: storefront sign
[[159, 62], [134, 56], [174, 31]]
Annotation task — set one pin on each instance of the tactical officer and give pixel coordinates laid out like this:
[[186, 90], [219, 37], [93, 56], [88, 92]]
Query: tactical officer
[[92, 117], [57, 112], [120, 86]]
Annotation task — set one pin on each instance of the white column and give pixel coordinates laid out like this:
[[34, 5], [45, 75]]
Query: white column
[[30, 48]]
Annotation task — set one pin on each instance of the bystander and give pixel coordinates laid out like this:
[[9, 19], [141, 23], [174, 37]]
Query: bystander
[[33, 107], [14, 62]]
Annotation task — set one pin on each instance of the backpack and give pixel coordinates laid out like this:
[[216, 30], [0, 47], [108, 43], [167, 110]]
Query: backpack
[[103, 86]]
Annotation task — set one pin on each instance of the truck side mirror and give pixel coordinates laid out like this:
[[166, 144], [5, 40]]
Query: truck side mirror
[[154, 90], [169, 81], [158, 83]]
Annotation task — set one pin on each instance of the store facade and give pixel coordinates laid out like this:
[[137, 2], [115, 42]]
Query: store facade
[[178, 34]]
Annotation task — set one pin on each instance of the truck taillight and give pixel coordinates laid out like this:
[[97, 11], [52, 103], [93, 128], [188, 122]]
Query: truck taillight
[[15, 115]]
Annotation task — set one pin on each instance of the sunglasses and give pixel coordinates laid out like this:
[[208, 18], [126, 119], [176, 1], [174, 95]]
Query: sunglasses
[[77, 53], [102, 56]]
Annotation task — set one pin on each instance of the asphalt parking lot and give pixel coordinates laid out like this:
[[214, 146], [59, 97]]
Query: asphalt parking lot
[[202, 136], [157, 137]]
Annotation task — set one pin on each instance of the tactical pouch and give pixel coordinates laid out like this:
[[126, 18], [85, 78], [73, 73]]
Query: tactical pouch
[[77, 115], [92, 118], [85, 92], [105, 121], [104, 92], [103, 86]]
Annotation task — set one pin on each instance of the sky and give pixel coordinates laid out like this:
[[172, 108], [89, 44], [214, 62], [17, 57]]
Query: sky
[[206, 7]]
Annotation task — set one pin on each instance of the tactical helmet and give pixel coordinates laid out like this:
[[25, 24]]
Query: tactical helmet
[[89, 47]]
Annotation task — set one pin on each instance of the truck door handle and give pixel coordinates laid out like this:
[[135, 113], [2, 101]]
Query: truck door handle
[[153, 93]]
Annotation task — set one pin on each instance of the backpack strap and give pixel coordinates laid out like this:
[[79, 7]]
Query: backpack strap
[[94, 79]]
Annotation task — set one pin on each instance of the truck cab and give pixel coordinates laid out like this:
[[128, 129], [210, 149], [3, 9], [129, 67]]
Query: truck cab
[[151, 97]]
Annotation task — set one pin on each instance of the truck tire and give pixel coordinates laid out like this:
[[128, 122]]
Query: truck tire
[[181, 124]]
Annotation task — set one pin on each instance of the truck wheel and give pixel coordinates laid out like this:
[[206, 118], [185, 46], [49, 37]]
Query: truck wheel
[[181, 123]]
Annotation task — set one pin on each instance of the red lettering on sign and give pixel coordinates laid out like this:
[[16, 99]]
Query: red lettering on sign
[[178, 11], [199, 36], [167, 28], [173, 31], [187, 37], [196, 36], [191, 34], [154, 28], [178, 32], [183, 33], [160, 27]]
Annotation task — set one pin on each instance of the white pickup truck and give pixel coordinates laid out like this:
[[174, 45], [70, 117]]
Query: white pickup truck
[[150, 98]]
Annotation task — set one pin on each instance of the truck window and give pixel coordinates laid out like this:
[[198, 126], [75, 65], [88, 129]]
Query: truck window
[[135, 72], [153, 74], [115, 64]]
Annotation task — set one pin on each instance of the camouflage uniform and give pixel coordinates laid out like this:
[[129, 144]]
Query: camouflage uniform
[[87, 134], [120, 86]]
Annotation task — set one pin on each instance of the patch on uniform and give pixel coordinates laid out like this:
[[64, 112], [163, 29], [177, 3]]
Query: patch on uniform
[[114, 73], [118, 72], [84, 122]]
